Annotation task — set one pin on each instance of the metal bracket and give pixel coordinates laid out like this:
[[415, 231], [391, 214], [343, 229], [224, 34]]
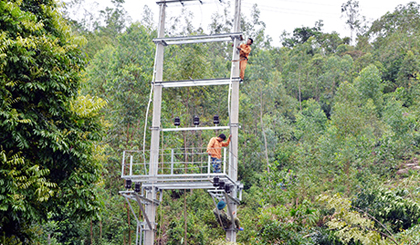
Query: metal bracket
[[230, 212], [162, 42], [130, 194], [234, 199], [144, 212], [239, 36]]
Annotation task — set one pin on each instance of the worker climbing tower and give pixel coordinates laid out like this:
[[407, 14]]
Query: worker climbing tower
[[152, 172]]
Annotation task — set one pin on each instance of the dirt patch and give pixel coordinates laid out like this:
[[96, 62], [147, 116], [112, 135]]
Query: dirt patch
[[412, 164]]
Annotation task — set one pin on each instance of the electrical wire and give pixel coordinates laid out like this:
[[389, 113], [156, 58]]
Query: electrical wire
[[289, 11], [294, 1], [147, 110]]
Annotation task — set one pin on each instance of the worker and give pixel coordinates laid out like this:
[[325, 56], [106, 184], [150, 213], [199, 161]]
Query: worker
[[244, 50], [223, 219], [214, 149]]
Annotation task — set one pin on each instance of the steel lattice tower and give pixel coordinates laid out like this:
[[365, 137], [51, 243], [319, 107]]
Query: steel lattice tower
[[149, 181]]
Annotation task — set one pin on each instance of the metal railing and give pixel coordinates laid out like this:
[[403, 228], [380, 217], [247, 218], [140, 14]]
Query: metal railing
[[172, 162]]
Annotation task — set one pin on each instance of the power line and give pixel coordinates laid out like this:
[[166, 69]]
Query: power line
[[292, 11], [293, 1]]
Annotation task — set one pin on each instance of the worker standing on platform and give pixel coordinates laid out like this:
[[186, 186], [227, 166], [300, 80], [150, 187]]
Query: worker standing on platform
[[214, 149], [244, 50], [223, 219]]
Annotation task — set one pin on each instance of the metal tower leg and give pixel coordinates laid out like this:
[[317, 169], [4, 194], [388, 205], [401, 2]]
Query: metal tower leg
[[234, 114], [154, 147]]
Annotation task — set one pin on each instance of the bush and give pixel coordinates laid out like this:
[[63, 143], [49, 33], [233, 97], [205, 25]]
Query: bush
[[390, 207]]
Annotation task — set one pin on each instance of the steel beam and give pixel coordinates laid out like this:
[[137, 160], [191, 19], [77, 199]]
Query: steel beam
[[200, 82], [175, 1], [145, 214], [194, 128], [179, 177], [129, 194], [183, 185], [226, 37]]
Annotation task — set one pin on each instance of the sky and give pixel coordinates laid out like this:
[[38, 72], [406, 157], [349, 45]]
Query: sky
[[278, 15]]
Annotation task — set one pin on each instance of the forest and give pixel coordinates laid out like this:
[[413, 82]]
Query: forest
[[329, 142]]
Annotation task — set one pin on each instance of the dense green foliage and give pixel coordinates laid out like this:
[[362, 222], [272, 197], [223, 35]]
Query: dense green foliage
[[327, 122], [47, 132]]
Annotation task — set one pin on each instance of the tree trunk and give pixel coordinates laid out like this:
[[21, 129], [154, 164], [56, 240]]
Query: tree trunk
[[128, 218], [91, 232], [128, 134], [185, 217], [300, 94], [100, 232], [265, 137], [185, 190]]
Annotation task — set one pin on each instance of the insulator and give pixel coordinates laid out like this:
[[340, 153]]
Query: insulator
[[128, 184], [177, 121], [137, 187], [216, 181], [216, 119], [228, 188], [196, 120], [221, 184]]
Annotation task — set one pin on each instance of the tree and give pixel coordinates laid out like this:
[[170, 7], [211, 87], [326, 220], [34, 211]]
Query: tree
[[302, 34], [351, 225], [47, 134], [398, 27], [409, 67], [369, 85], [350, 9]]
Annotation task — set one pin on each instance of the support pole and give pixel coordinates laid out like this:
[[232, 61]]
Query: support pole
[[149, 235], [234, 118]]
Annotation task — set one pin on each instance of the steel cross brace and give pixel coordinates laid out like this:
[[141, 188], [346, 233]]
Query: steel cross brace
[[144, 213], [230, 211], [139, 224], [130, 195]]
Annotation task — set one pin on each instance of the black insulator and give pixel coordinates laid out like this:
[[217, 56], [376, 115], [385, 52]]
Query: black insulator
[[216, 181], [177, 121], [228, 188], [196, 120], [216, 119], [137, 187], [221, 184], [128, 184]]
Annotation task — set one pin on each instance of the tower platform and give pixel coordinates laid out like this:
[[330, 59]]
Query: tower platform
[[177, 169]]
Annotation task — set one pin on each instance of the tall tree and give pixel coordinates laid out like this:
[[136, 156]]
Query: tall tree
[[47, 133], [351, 11]]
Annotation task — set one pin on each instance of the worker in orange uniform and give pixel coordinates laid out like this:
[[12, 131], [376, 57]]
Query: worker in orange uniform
[[244, 50], [214, 149]]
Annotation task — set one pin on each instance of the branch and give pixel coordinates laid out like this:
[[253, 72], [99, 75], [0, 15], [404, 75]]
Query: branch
[[376, 221], [390, 237]]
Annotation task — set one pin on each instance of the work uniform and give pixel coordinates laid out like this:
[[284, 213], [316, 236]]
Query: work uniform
[[225, 219], [243, 57], [214, 148]]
